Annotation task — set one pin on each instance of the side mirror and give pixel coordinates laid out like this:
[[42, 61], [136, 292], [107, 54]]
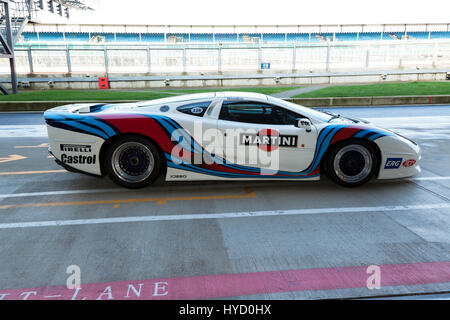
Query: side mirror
[[303, 123]]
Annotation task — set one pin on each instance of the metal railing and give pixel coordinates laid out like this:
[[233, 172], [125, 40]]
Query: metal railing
[[213, 58]]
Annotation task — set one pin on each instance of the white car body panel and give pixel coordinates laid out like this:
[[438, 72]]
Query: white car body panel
[[91, 125]]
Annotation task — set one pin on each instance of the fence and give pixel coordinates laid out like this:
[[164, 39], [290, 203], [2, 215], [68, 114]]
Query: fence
[[230, 58]]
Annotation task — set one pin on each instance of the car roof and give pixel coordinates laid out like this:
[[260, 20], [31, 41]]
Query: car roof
[[178, 98], [205, 95], [241, 95]]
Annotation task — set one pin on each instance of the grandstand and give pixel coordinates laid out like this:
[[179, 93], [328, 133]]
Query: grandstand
[[64, 33], [156, 50]]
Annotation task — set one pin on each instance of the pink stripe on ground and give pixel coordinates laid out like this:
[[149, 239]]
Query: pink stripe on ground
[[229, 285]]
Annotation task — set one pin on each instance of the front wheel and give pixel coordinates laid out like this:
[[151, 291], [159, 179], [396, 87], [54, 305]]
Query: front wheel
[[132, 162], [352, 163]]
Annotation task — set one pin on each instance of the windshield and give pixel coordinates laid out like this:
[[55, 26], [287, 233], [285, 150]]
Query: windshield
[[322, 116]]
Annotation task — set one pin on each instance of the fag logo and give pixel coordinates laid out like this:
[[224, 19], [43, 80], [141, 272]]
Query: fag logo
[[393, 163], [409, 163], [269, 140]]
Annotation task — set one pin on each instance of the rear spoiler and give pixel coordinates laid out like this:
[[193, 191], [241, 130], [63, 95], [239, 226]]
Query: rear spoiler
[[80, 108]]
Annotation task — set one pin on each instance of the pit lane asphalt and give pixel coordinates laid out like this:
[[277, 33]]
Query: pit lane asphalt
[[37, 256]]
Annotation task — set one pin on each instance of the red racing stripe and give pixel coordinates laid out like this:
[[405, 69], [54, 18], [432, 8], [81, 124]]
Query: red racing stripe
[[345, 133], [139, 124]]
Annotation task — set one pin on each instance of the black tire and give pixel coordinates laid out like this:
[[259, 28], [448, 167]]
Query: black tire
[[132, 162], [352, 163]]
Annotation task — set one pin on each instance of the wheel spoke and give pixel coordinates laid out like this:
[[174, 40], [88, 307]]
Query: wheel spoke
[[132, 162], [353, 163]]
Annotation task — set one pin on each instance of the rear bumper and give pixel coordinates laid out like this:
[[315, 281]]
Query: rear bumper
[[72, 169]]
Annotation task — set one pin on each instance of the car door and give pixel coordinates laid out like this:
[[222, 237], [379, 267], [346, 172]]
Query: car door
[[263, 135]]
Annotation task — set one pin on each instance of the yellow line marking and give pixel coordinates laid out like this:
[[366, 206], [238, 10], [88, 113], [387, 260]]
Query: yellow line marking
[[116, 206], [12, 157], [42, 145], [29, 172], [248, 194]]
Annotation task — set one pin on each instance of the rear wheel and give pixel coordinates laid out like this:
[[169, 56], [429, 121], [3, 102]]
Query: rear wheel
[[132, 162], [352, 163]]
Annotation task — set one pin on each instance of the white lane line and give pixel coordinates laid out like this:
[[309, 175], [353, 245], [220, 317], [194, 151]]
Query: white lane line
[[55, 193], [93, 191], [227, 215], [430, 178], [21, 131]]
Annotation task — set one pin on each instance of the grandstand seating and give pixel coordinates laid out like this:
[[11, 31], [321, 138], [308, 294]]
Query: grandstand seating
[[273, 37], [152, 37], [109, 37], [297, 37], [127, 37], [50, 36], [184, 36], [230, 37], [226, 37], [371, 36], [30, 36], [440, 35], [77, 37], [243, 36], [320, 37], [418, 35], [202, 37], [346, 36]]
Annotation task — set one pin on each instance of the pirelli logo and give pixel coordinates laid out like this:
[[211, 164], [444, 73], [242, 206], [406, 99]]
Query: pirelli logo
[[75, 148]]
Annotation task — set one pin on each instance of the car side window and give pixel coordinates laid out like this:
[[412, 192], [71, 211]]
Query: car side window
[[195, 109], [257, 112]]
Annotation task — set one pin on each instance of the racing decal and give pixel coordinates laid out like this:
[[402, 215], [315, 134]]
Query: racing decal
[[75, 148], [222, 168], [78, 159], [83, 124], [268, 140], [178, 176], [409, 163], [196, 110], [393, 163], [161, 128]]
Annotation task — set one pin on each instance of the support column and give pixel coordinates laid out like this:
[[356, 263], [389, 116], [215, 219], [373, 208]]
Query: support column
[[294, 57], [105, 50], [149, 61], [184, 60], [219, 59], [69, 60], [9, 40], [30, 60], [327, 66]]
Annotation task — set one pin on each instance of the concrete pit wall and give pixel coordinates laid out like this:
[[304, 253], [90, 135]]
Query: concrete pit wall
[[260, 80]]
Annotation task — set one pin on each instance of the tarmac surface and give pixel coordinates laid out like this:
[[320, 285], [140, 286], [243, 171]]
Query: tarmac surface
[[244, 240]]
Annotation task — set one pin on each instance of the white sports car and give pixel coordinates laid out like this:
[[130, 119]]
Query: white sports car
[[224, 135]]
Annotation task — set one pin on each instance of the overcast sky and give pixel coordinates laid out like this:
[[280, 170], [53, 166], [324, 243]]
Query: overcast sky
[[252, 12]]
